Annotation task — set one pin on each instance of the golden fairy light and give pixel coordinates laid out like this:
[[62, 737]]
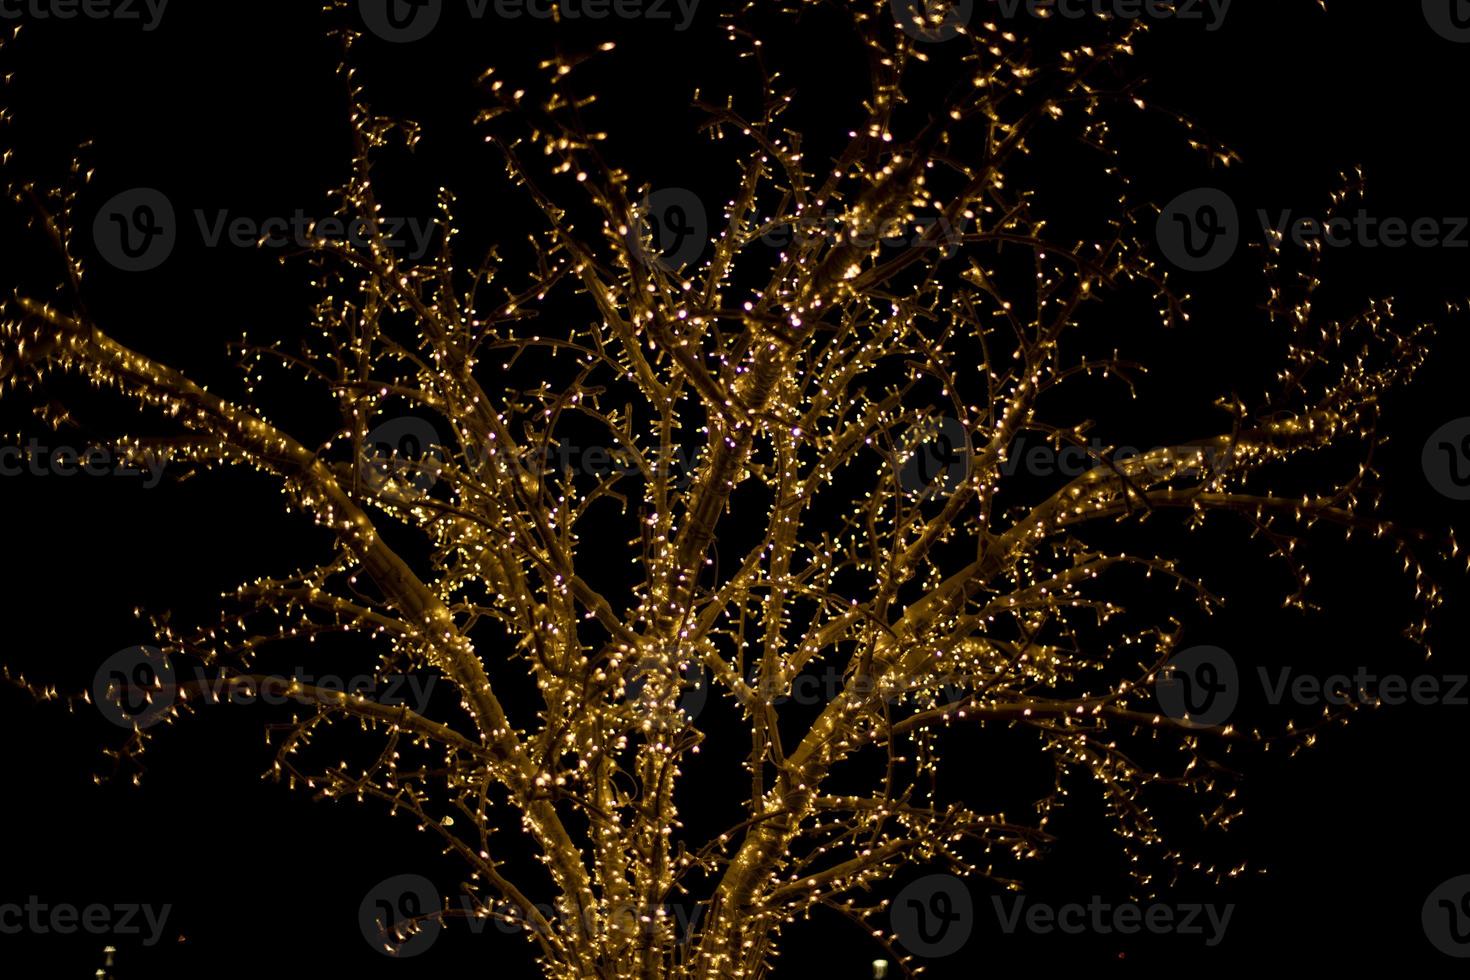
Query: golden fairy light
[[798, 399]]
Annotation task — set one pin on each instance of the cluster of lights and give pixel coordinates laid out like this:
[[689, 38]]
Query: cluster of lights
[[798, 392]]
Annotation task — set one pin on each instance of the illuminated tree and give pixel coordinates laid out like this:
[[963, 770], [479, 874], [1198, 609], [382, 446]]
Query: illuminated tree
[[810, 531]]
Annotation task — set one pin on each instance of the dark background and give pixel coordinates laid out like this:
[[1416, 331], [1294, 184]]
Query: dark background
[[236, 105]]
